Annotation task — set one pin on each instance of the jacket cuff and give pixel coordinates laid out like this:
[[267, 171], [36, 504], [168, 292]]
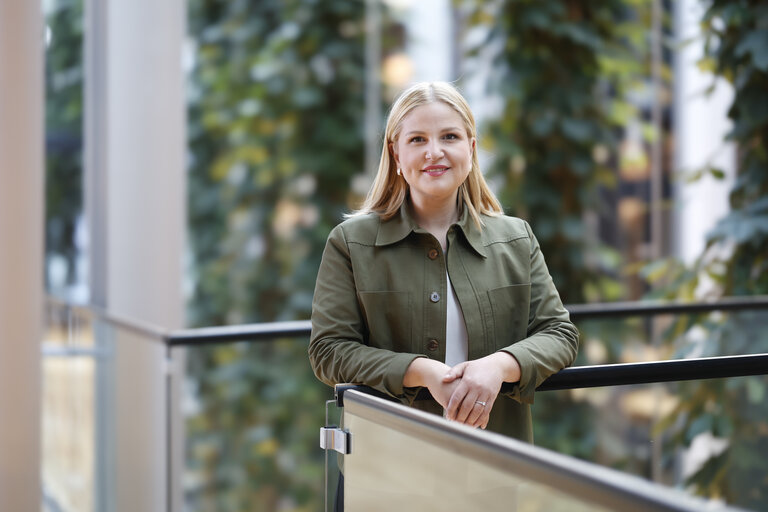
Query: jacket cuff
[[396, 373], [523, 390]]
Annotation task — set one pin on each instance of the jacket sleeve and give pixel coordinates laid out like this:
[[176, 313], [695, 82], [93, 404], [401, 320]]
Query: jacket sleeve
[[338, 350], [552, 340]]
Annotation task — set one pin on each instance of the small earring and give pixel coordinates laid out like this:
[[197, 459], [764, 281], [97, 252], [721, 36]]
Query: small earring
[[398, 171]]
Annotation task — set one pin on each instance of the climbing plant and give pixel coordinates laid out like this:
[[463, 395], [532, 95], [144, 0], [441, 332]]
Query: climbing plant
[[276, 109], [560, 73], [64, 142], [734, 262]]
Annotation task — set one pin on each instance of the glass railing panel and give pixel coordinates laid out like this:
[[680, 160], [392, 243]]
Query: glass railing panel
[[252, 412], [333, 418], [133, 413], [403, 459], [661, 431], [696, 435], [69, 367], [104, 417], [390, 470]]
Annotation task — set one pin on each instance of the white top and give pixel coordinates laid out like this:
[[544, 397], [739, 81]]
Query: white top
[[455, 330]]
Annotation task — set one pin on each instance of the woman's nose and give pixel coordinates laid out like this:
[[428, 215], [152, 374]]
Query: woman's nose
[[434, 153]]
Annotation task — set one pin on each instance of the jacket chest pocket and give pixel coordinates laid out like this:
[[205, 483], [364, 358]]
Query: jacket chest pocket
[[388, 317], [510, 306]]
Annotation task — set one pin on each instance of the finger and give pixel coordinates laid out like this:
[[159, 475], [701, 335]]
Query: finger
[[455, 401], [455, 373], [478, 412], [467, 407], [475, 416], [484, 418]]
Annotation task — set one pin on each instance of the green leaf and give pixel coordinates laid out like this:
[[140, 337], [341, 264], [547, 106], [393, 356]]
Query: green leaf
[[755, 390], [756, 43], [577, 129], [701, 424]]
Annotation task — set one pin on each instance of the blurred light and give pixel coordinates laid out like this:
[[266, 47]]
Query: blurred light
[[596, 352], [648, 403], [287, 215], [631, 210], [634, 164], [518, 164], [397, 70], [600, 154]]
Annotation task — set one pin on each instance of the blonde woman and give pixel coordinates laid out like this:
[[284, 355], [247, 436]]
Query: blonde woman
[[430, 285]]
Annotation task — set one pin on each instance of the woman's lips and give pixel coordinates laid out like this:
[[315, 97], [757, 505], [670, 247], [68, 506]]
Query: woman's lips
[[435, 170]]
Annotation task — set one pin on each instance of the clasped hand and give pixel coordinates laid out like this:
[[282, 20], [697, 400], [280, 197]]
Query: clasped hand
[[467, 391]]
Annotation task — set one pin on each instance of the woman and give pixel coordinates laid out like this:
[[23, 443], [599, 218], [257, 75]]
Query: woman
[[430, 285]]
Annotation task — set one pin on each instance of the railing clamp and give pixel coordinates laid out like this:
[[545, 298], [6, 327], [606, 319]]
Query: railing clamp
[[333, 438]]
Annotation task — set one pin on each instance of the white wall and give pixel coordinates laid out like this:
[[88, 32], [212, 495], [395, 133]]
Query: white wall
[[21, 251], [136, 204], [429, 28], [701, 124]]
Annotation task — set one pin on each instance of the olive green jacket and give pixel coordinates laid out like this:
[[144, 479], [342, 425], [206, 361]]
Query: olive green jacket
[[379, 304]]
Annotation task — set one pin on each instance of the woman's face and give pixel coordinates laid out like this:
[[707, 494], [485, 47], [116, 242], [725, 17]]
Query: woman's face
[[434, 153]]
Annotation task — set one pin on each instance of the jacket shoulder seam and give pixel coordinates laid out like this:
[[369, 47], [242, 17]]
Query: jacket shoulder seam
[[512, 229]]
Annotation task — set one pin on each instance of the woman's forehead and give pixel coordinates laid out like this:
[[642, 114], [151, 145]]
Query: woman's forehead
[[432, 114]]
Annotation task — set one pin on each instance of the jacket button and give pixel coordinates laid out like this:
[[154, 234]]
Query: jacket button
[[432, 254], [432, 345], [435, 297]]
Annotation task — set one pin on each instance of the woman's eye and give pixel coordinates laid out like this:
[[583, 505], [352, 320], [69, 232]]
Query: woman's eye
[[450, 136], [416, 139]]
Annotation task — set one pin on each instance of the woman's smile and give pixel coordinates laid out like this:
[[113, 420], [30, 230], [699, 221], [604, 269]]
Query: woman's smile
[[436, 170]]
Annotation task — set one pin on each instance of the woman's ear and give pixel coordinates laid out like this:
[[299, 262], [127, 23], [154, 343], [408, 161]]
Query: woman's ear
[[393, 152]]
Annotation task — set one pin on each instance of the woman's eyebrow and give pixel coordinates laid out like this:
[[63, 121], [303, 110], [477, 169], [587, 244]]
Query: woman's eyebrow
[[451, 129]]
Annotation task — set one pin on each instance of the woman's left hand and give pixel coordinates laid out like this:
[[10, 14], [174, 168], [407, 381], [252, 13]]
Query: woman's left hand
[[481, 380]]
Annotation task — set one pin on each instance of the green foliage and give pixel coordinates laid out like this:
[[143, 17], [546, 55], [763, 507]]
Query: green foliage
[[734, 262], [276, 133], [561, 75], [253, 445], [554, 119], [64, 128]]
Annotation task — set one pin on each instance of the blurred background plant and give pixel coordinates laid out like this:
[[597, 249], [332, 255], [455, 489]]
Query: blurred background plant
[[555, 147], [275, 137], [64, 143], [734, 262]]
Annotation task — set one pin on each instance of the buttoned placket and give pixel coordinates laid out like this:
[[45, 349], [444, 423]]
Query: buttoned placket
[[434, 292]]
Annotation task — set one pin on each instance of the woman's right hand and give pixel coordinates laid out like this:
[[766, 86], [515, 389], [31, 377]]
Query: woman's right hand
[[430, 374]]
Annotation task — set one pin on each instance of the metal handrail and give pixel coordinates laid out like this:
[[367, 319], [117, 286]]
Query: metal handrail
[[674, 370], [653, 308], [623, 374], [268, 331], [248, 332], [157, 334], [568, 378], [271, 330]]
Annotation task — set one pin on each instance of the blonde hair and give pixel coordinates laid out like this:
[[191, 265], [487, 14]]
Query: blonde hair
[[389, 190]]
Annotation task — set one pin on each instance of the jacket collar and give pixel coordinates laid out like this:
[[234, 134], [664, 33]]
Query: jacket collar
[[403, 224]]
